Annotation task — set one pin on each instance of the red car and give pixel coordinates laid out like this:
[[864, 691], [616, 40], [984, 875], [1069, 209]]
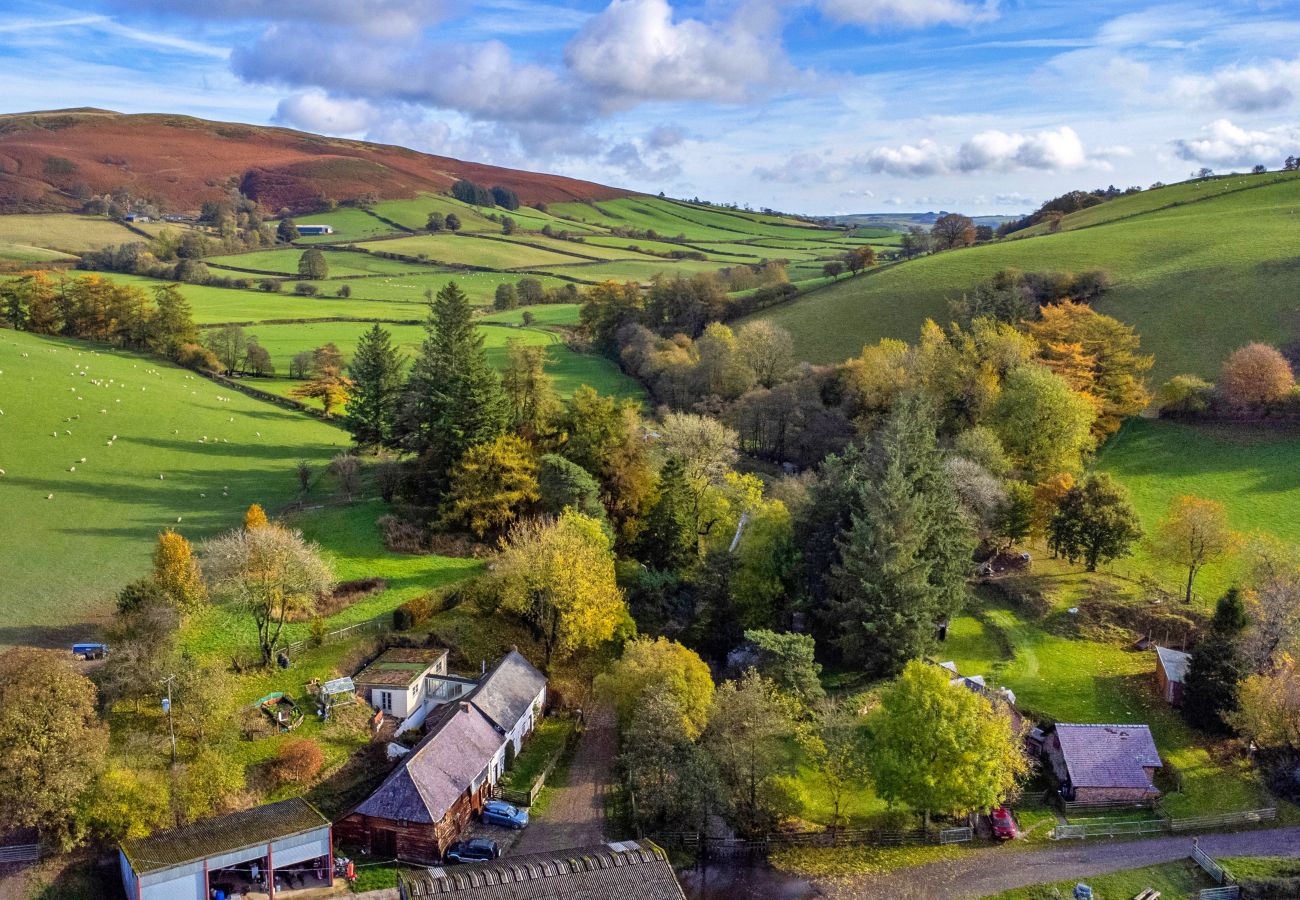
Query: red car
[[1004, 824]]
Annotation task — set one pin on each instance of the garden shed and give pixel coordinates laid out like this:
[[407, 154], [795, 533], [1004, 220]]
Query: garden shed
[[1171, 672], [277, 849]]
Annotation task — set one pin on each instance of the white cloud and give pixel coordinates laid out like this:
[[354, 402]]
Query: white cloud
[[377, 18], [1225, 144], [315, 110], [1243, 88], [635, 51], [909, 13], [1050, 150]]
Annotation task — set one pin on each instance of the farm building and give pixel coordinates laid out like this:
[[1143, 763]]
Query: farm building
[[425, 802], [312, 230], [632, 869], [512, 696], [277, 849], [1171, 672], [1104, 763], [396, 681]]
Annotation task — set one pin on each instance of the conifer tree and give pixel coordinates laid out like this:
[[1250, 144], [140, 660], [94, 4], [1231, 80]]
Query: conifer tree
[[376, 371], [453, 398], [668, 540], [255, 517], [1217, 667], [904, 557]]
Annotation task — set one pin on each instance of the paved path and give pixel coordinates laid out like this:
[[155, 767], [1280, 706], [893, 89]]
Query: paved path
[[998, 869], [575, 815]]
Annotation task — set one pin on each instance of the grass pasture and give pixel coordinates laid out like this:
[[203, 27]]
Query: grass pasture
[[285, 262], [1196, 280], [67, 555], [65, 232], [467, 250], [349, 225], [1183, 878]]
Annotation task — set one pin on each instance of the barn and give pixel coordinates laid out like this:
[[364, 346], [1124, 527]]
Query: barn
[[1104, 763], [277, 849], [313, 230]]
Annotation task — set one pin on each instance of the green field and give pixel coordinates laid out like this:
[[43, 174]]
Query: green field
[[569, 369], [349, 225], [1196, 280], [1183, 878], [632, 269], [67, 555], [285, 262], [414, 213], [1253, 472], [467, 250], [63, 232]]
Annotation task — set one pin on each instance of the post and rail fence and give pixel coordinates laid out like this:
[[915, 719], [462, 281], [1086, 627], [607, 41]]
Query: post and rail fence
[[1163, 825], [729, 847]]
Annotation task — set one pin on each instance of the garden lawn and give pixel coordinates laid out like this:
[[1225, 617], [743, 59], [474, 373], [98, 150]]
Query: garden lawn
[[542, 746], [1082, 681], [1253, 472], [66, 556], [1173, 880]]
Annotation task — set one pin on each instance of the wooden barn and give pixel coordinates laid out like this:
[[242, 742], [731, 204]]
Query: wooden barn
[[425, 803]]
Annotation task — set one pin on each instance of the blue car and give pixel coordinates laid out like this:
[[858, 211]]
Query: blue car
[[498, 812]]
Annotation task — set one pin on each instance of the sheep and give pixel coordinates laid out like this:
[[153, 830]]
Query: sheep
[[47, 496], [72, 468], [83, 459], [161, 476]]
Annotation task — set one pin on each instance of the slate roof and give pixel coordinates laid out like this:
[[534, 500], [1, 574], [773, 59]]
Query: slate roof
[[1174, 662], [1108, 755], [224, 834], [506, 693], [399, 666], [633, 870], [439, 770]]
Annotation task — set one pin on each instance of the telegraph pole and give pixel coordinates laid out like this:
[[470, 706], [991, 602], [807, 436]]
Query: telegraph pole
[[168, 705]]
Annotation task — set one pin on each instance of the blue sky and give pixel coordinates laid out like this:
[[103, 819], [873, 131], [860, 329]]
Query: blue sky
[[818, 106]]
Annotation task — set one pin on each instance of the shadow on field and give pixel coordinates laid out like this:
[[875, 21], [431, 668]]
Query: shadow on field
[[51, 637]]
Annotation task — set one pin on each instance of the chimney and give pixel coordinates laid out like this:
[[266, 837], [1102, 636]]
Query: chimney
[[464, 706]]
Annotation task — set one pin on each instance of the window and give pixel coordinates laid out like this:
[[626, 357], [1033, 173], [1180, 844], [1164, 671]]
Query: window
[[386, 701]]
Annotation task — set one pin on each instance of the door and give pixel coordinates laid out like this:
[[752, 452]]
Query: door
[[383, 843]]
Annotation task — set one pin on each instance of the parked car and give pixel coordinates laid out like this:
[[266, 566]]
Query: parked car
[[1004, 824], [498, 812], [473, 850]]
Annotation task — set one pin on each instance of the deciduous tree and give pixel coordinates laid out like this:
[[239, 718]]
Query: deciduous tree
[[836, 746], [51, 740], [312, 265], [749, 723], [1044, 425], [529, 390], [176, 571], [269, 572], [940, 748], [1095, 522], [789, 660], [558, 576], [1193, 534], [952, 230], [660, 668], [1255, 376]]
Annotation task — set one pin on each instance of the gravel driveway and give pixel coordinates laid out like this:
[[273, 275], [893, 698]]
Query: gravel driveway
[[998, 869], [575, 815]]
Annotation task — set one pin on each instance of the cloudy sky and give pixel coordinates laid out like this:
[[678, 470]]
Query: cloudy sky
[[819, 106]]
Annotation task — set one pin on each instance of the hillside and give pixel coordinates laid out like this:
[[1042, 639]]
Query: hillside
[[1198, 268], [49, 160]]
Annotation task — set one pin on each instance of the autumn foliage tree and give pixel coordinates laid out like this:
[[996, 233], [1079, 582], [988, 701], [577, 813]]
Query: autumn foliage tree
[[1255, 376], [941, 749], [176, 571], [298, 761], [1193, 534], [558, 576], [491, 484], [952, 230], [662, 668], [51, 740]]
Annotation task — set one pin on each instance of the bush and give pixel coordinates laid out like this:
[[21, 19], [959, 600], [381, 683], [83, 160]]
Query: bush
[[1270, 888], [305, 289], [413, 612], [197, 357], [1184, 395], [270, 285], [318, 631], [402, 535], [297, 761]]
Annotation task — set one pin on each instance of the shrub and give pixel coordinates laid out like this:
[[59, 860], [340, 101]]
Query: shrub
[[1256, 375], [318, 631], [413, 612], [1184, 395], [402, 535], [305, 289], [270, 285], [197, 357], [297, 761]]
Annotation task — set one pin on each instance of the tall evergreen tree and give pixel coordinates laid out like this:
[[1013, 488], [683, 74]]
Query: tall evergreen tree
[[668, 540], [453, 398], [1217, 667], [376, 371], [904, 557]]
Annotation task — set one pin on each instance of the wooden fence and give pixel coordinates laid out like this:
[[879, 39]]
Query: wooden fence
[[730, 847], [20, 853], [1162, 826]]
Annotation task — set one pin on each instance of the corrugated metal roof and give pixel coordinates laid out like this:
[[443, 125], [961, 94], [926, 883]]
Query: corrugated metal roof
[[1174, 662], [1108, 755], [441, 767], [224, 834], [506, 693], [631, 870]]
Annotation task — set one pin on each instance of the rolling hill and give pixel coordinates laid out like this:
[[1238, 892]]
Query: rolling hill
[[50, 161], [1199, 269]]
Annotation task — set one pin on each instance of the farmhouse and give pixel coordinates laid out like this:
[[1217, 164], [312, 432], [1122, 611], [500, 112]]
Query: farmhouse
[[427, 800], [512, 696], [396, 681], [632, 869], [1171, 672], [276, 848], [1104, 763], [312, 230]]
